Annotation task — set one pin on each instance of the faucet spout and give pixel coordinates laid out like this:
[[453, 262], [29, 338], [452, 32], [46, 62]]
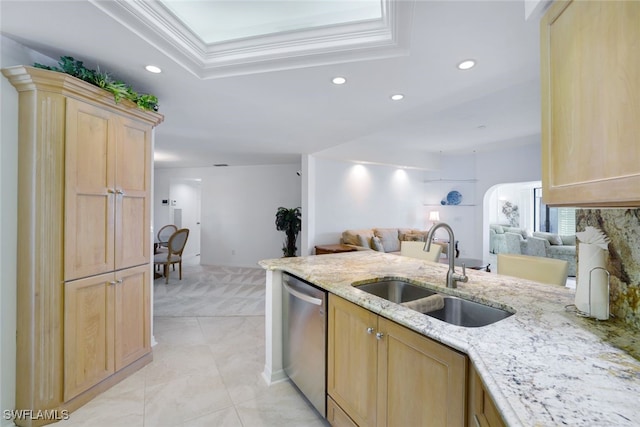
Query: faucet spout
[[452, 277]]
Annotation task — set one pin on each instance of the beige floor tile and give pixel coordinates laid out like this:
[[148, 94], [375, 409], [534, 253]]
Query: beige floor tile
[[242, 374], [172, 403], [177, 331], [282, 407], [227, 417], [110, 409], [175, 362], [232, 334]]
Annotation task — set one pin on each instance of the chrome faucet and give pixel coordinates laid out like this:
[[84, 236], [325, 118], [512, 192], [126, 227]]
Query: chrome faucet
[[452, 277]]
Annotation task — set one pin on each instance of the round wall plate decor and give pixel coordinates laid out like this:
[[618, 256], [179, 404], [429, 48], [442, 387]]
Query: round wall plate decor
[[454, 198]]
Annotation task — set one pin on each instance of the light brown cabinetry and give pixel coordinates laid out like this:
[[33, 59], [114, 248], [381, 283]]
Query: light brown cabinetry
[[83, 274], [590, 80], [482, 410], [108, 160], [383, 374], [106, 326]]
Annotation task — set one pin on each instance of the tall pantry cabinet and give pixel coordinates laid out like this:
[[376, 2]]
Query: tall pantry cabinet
[[84, 185]]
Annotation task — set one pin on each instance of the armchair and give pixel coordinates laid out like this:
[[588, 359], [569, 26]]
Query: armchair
[[514, 243]]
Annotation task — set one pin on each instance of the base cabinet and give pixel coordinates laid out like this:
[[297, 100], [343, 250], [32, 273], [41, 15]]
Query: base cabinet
[[383, 374], [106, 326], [482, 410], [336, 416]]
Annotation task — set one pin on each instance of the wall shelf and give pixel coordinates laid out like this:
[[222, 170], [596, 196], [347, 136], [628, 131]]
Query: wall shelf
[[436, 190]]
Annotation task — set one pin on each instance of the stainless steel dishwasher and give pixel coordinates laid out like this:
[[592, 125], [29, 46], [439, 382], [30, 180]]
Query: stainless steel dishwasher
[[304, 332]]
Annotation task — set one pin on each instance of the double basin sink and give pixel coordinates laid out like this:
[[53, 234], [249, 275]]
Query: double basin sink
[[456, 311]]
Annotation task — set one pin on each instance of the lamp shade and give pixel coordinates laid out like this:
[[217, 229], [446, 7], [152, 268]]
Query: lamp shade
[[434, 216]]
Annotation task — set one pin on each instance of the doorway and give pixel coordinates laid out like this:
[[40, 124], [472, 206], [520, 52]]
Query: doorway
[[184, 212]]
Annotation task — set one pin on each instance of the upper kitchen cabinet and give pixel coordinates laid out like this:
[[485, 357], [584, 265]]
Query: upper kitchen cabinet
[[108, 187], [590, 80]]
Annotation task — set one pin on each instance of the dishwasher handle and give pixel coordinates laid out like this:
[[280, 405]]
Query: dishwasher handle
[[300, 295]]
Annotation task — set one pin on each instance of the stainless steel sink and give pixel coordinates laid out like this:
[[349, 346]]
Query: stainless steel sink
[[461, 312], [394, 290]]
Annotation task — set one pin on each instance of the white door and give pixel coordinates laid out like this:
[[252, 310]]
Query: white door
[[185, 195]]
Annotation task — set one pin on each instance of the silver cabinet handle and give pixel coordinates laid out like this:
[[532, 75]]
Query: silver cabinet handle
[[111, 190], [119, 191], [370, 330], [113, 282], [379, 335], [300, 295]]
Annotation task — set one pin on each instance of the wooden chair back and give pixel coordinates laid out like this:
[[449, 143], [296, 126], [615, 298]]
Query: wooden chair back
[[545, 270], [416, 250]]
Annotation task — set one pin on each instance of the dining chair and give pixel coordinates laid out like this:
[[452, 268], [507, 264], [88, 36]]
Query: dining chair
[[175, 247], [416, 250], [163, 237], [541, 269]]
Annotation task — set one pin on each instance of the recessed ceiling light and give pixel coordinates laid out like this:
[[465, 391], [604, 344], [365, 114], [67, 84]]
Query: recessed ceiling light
[[397, 97], [153, 69], [339, 80], [466, 64]]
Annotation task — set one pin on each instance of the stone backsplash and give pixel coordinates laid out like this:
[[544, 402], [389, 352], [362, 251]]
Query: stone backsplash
[[622, 226]]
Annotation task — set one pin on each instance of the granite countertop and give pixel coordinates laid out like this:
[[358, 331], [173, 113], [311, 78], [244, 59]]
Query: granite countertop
[[543, 366]]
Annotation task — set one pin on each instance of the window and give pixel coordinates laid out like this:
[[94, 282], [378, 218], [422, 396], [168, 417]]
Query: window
[[554, 220]]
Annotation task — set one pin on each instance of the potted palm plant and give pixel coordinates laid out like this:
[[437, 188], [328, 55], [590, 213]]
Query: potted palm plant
[[288, 220]]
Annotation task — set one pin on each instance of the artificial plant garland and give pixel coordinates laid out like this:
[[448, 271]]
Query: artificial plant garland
[[102, 79]]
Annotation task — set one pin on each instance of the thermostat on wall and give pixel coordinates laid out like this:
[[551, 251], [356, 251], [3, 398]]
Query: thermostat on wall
[[165, 202]]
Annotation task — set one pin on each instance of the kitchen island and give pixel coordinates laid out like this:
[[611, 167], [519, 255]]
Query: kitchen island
[[543, 366]]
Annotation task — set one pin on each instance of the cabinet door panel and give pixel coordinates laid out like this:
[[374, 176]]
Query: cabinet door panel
[[352, 360], [89, 183], [415, 366], [133, 176], [590, 87], [88, 333], [132, 329]]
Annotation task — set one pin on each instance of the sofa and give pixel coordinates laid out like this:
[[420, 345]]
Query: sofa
[[386, 240], [502, 242], [552, 245]]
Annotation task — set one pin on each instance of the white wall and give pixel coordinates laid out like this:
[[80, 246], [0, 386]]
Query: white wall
[[350, 195], [11, 53], [239, 205]]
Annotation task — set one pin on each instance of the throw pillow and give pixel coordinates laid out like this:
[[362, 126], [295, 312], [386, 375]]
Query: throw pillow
[[552, 238], [377, 244], [412, 237], [364, 241], [350, 237], [389, 238]]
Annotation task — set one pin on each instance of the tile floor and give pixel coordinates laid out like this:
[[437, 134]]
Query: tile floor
[[206, 370]]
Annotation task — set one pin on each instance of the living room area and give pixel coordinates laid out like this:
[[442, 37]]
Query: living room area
[[520, 223]]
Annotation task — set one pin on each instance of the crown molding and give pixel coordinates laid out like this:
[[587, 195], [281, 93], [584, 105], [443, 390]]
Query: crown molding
[[373, 39]]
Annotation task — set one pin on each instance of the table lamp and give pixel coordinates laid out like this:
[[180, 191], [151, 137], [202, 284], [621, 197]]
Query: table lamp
[[434, 216]]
